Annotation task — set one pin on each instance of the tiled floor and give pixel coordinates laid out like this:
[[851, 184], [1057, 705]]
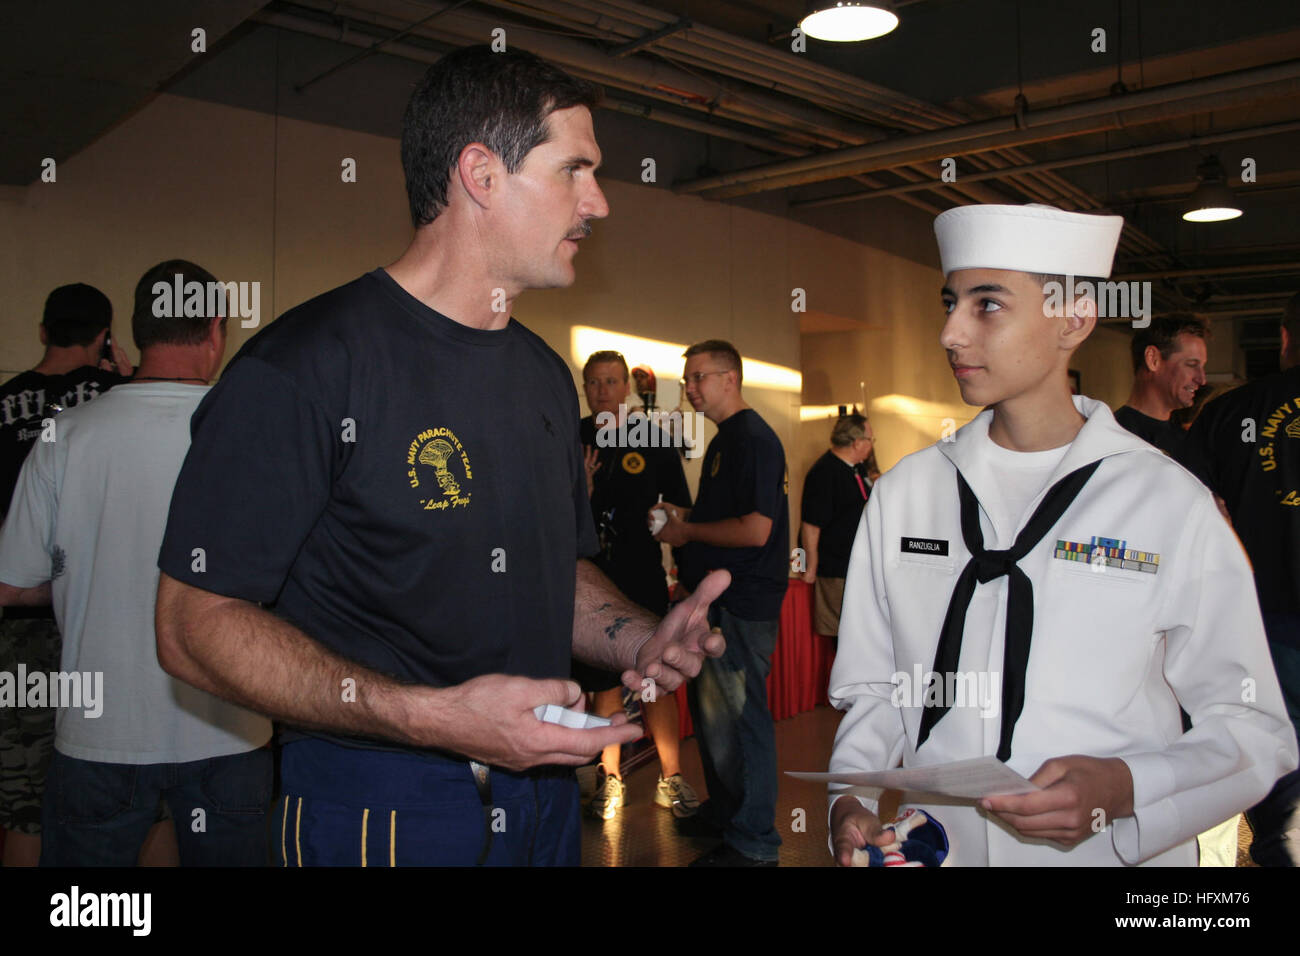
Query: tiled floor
[[643, 834]]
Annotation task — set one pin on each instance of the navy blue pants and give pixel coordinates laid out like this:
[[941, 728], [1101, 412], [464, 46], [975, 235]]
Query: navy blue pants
[[98, 814], [346, 806]]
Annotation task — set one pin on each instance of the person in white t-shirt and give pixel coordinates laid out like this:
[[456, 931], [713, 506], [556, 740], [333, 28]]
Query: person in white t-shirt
[[88, 516], [1056, 587]]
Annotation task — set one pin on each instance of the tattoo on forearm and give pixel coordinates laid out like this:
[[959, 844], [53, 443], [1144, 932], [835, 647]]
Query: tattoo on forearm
[[605, 607], [612, 631]]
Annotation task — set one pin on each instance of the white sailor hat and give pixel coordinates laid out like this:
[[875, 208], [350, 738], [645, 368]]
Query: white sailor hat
[[1032, 238]]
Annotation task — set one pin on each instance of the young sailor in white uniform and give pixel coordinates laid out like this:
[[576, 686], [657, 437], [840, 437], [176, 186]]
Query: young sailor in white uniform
[[1079, 576]]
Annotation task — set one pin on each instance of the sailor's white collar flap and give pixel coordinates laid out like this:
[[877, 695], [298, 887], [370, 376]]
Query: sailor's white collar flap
[[1100, 437]]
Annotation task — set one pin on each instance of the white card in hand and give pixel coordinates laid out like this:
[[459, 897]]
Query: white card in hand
[[966, 779], [575, 719]]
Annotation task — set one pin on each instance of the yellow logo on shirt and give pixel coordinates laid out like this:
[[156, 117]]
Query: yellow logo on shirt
[[1285, 419], [717, 463], [633, 463], [441, 450]]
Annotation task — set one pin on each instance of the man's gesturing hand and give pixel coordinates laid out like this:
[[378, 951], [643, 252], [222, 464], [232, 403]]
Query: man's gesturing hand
[[1074, 788], [491, 719], [676, 650], [853, 826]]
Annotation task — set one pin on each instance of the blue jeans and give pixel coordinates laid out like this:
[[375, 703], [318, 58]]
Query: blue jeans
[[728, 702], [349, 806], [1276, 818], [98, 814]]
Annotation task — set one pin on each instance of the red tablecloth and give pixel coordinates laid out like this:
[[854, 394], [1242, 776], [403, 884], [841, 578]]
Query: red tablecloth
[[801, 666]]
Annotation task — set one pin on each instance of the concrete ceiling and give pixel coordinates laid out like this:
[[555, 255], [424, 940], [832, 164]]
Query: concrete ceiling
[[718, 89], [70, 69]]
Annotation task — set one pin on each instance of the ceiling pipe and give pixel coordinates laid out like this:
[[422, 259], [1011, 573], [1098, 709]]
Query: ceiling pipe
[[1131, 152], [1091, 115], [927, 147]]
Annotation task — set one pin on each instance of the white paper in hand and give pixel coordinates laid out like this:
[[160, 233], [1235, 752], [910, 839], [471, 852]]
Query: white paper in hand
[[575, 719], [965, 779]]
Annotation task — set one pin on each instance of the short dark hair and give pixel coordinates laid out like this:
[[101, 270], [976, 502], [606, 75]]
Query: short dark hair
[[474, 95], [1163, 332], [75, 315], [176, 329], [720, 351], [608, 355]]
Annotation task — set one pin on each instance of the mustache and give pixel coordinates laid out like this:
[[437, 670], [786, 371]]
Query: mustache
[[581, 231]]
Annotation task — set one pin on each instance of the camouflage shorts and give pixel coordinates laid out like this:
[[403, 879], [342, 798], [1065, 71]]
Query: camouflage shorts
[[26, 733]]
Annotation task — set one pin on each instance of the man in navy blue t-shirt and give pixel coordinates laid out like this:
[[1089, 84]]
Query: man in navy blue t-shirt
[[740, 522], [392, 471]]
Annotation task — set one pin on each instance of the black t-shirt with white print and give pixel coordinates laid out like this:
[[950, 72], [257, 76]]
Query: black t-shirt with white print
[[27, 400]]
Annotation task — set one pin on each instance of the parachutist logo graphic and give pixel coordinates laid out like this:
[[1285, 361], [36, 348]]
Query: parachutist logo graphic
[[441, 450], [436, 453]]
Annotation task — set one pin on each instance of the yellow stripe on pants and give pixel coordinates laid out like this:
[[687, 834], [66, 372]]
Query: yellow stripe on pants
[[365, 822], [284, 829]]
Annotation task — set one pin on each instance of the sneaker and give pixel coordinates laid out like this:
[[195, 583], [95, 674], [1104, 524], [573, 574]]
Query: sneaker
[[609, 797], [676, 794], [723, 855]]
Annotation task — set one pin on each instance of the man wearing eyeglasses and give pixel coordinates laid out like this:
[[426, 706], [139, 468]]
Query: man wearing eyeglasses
[[740, 522]]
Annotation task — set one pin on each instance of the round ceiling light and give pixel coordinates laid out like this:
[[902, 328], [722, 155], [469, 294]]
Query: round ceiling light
[[1212, 201], [848, 22]]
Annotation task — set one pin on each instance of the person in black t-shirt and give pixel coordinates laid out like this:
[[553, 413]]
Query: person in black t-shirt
[[834, 492], [740, 522], [73, 329], [630, 468], [393, 470], [1249, 441], [1168, 369]]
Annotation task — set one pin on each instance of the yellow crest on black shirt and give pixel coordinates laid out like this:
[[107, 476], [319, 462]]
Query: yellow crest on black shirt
[[441, 450], [633, 463], [1282, 421], [717, 463], [785, 482]]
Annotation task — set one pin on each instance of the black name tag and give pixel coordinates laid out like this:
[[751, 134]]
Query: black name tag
[[924, 546]]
